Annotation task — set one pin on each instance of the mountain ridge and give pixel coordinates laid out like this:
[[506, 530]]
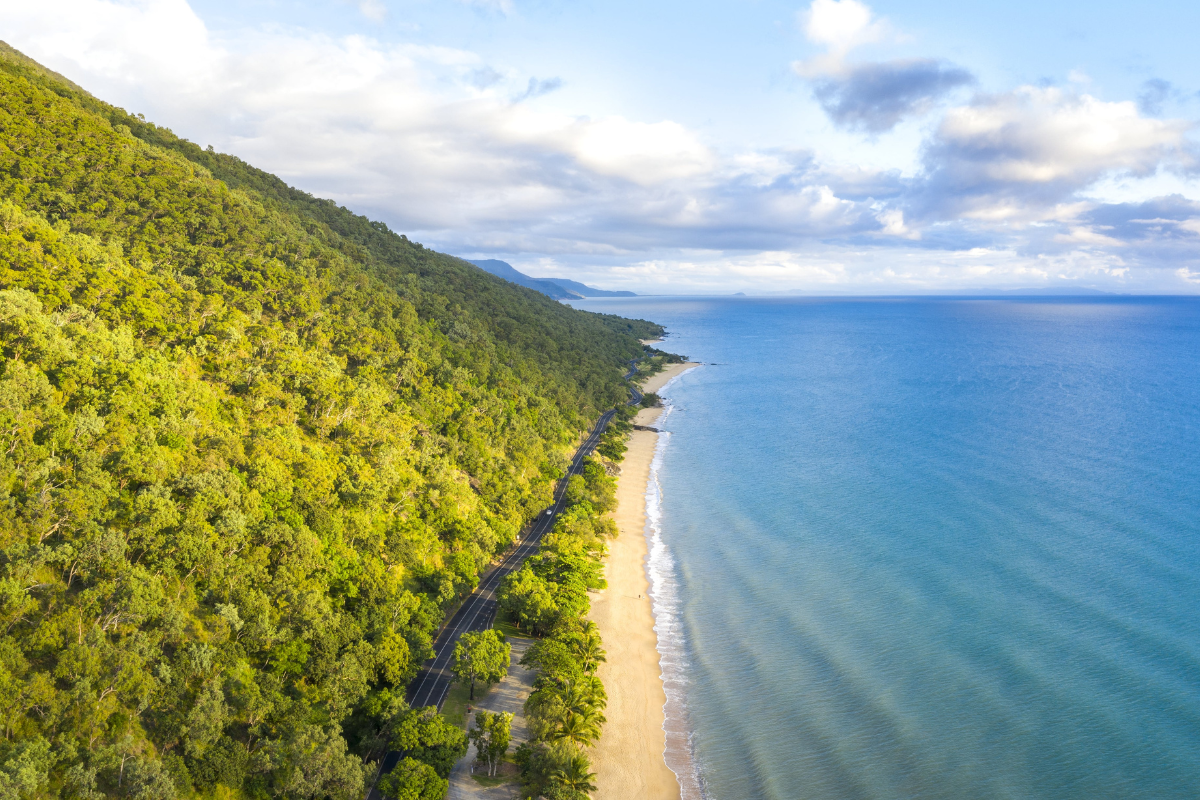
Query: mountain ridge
[[558, 288]]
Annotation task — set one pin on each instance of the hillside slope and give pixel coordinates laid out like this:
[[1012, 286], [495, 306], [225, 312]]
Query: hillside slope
[[254, 445]]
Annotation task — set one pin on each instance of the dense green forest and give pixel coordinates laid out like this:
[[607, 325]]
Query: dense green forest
[[548, 597], [252, 446]]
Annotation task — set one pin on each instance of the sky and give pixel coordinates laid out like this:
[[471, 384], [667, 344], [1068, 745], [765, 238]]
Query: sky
[[829, 146]]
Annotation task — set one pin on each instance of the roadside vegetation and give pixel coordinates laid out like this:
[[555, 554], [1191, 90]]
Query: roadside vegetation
[[481, 656], [654, 362], [491, 736], [252, 448], [548, 598]]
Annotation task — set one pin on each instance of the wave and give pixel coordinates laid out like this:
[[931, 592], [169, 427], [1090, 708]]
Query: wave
[[668, 627]]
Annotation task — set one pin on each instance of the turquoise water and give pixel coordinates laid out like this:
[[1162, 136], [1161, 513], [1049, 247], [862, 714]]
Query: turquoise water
[[933, 548]]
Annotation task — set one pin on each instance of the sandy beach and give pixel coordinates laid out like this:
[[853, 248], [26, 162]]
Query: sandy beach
[[628, 759]]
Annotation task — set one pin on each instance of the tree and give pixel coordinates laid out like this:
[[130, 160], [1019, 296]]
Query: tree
[[24, 766], [530, 599], [573, 780], [554, 659], [587, 648], [481, 656], [491, 735], [413, 780], [581, 727], [539, 761], [318, 766], [428, 737]]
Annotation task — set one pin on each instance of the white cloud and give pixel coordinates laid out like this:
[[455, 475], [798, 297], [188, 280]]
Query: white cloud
[[641, 152], [1018, 155], [405, 131], [892, 220], [116, 41], [841, 24], [872, 96], [430, 140]]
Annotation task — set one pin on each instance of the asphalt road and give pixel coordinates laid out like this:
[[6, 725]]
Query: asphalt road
[[635, 396], [432, 683]]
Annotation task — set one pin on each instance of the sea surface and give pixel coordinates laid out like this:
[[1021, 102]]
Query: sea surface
[[930, 548]]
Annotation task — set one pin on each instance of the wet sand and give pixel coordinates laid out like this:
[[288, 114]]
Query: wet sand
[[628, 759]]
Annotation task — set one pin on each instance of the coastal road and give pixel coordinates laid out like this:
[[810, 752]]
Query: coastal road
[[635, 395], [432, 683]]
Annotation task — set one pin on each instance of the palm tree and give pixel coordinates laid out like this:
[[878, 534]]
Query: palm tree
[[588, 651], [591, 686], [586, 694], [580, 728], [574, 776]]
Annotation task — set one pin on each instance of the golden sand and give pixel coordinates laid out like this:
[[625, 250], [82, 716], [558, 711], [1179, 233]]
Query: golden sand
[[628, 759]]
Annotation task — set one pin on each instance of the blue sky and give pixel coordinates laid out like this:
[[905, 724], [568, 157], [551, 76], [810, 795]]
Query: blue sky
[[831, 146]]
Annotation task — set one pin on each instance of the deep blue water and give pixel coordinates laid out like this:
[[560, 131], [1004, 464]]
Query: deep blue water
[[936, 548]]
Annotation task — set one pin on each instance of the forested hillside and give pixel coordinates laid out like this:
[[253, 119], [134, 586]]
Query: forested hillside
[[251, 448]]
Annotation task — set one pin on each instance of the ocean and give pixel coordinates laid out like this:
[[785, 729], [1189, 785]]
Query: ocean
[[930, 547]]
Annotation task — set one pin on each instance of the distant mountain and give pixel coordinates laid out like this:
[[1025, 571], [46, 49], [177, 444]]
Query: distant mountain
[[583, 290], [502, 269], [558, 288]]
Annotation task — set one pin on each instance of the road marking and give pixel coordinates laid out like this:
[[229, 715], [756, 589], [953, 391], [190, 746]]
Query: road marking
[[484, 593]]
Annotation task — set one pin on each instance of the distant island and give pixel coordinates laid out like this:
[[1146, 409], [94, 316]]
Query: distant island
[[558, 288]]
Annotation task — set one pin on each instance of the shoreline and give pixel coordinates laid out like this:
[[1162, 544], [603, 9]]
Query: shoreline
[[629, 758]]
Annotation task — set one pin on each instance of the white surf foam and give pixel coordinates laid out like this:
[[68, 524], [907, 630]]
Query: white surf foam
[[668, 626]]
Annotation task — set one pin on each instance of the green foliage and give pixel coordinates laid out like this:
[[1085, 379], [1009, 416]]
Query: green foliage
[[481, 656], [548, 596], [428, 737], [640, 328], [554, 771], [491, 735], [24, 767], [549, 592], [572, 779], [613, 442], [252, 446], [413, 780]]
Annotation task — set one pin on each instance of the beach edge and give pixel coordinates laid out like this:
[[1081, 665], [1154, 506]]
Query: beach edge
[[629, 758]]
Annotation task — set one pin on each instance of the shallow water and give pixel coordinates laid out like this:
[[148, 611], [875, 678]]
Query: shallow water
[[934, 548]]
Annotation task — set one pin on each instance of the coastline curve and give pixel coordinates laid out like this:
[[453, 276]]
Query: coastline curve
[[668, 624]]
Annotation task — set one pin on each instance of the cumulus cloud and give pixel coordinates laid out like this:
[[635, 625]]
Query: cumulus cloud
[[435, 142], [425, 136], [1164, 230], [875, 97], [872, 96], [1017, 156], [841, 24]]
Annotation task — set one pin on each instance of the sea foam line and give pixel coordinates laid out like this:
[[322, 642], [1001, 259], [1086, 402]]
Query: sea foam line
[[668, 627]]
